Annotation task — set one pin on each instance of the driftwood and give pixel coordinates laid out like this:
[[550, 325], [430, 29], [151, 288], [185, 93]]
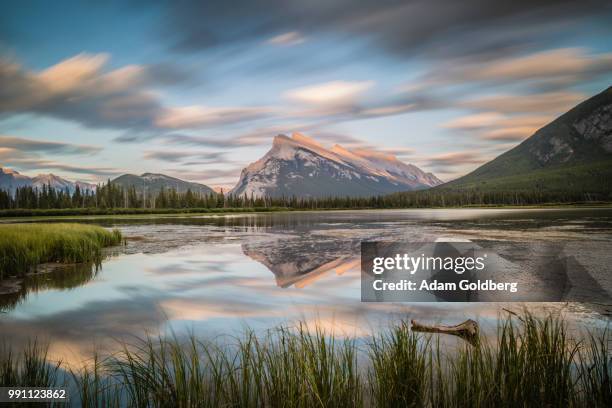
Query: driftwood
[[467, 330]]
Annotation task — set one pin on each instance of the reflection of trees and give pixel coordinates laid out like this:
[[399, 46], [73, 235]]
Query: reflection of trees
[[60, 277], [300, 261]]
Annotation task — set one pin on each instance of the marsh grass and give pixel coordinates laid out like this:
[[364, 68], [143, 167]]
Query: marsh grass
[[23, 246], [531, 362], [30, 366]]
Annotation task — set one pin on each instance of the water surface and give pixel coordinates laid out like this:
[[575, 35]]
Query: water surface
[[217, 275]]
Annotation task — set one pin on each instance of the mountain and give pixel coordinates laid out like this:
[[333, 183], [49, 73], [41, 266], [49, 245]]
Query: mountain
[[573, 152], [299, 166], [10, 180], [52, 180], [153, 183], [292, 263]]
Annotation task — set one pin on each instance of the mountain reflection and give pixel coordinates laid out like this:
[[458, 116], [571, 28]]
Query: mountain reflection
[[299, 262]]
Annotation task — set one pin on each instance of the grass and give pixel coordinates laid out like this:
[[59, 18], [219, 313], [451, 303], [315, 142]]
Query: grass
[[23, 246], [531, 362], [30, 366]]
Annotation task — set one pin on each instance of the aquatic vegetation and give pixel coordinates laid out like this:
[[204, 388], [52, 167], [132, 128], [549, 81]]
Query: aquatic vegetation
[[23, 246], [30, 366], [531, 362]]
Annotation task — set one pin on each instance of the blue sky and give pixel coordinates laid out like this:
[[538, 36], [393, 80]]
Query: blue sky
[[198, 89]]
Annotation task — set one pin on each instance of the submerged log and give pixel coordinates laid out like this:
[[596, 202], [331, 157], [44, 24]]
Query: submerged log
[[467, 330]]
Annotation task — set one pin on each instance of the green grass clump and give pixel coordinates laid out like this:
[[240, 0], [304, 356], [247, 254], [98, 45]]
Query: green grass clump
[[285, 369], [399, 375], [23, 246]]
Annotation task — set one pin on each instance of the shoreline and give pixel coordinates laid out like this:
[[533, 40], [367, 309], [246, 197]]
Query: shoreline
[[93, 213]]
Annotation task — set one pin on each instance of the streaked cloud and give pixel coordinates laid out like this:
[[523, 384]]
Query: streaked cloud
[[79, 89], [226, 177], [508, 134], [32, 145], [557, 68], [259, 136], [403, 29], [454, 159], [476, 121], [495, 126], [202, 116], [185, 156], [334, 93], [14, 158], [494, 119], [548, 102], [287, 39]]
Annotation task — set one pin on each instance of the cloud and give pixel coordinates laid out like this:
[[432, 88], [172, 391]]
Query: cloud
[[16, 158], [495, 119], [542, 83], [454, 159], [340, 101], [498, 127], [335, 93], [447, 27], [25, 154], [389, 110], [216, 176], [557, 68], [289, 38], [201, 116], [248, 139], [181, 156], [258, 137], [548, 102], [476, 121], [79, 89], [31, 145], [509, 134]]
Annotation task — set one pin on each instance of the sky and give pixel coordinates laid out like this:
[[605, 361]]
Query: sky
[[198, 89]]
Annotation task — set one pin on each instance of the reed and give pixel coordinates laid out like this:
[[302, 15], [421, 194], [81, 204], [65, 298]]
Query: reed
[[531, 362], [29, 366], [23, 246]]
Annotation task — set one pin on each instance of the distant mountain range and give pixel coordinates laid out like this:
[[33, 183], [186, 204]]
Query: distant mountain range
[[573, 152], [299, 166], [10, 180], [153, 183]]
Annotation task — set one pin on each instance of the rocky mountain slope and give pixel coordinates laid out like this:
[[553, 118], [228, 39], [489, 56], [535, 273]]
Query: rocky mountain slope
[[153, 182], [572, 152], [299, 166]]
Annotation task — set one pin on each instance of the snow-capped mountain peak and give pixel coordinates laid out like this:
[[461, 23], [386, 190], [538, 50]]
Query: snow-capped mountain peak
[[11, 180], [6, 170], [300, 166]]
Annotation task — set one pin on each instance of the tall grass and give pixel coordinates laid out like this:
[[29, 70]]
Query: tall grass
[[531, 362], [30, 367], [23, 246]]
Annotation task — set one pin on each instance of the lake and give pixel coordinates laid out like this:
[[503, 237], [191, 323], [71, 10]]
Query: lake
[[217, 275]]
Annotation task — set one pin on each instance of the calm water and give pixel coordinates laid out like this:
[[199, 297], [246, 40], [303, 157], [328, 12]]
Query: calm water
[[217, 275]]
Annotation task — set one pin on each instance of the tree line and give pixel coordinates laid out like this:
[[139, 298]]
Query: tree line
[[113, 196]]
